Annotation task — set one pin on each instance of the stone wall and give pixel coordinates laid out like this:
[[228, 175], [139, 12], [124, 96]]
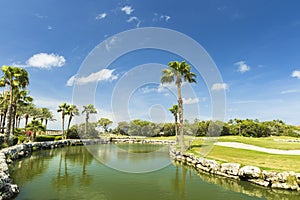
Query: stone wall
[[279, 180]]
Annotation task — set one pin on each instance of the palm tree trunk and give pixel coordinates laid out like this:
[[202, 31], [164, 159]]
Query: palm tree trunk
[[8, 125], [63, 124], [46, 123], [176, 128], [180, 112], [69, 123], [13, 119], [3, 122], [19, 122], [86, 123], [26, 120]]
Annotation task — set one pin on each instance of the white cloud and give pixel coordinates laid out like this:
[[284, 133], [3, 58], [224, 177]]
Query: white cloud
[[49, 27], [160, 17], [110, 43], [131, 19], [190, 100], [242, 66], [46, 61], [127, 9], [296, 74], [101, 16], [72, 80], [102, 75], [165, 17], [147, 89], [219, 86], [288, 91]]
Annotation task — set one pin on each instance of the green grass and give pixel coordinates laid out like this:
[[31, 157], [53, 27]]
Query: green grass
[[268, 142], [253, 158]]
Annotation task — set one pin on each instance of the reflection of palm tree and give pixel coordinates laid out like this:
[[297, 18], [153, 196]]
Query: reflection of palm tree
[[65, 179], [183, 177]]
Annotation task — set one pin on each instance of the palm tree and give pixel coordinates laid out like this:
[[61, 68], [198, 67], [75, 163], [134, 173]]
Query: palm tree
[[45, 116], [48, 117], [14, 78], [63, 108], [88, 109], [21, 99], [175, 72], [72, 111], [4, 102], [104, 123], [28, 112], [35, 126], [174, 111]]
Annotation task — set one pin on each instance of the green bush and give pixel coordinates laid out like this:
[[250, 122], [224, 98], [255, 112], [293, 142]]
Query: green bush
[[58, 138], [21, 139], [44, 138], [73, 133]]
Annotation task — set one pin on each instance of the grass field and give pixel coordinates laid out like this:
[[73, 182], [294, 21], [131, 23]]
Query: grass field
[[254, 158], [268, 142]]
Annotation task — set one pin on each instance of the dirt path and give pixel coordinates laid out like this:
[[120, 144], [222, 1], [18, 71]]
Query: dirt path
[[256, 148]]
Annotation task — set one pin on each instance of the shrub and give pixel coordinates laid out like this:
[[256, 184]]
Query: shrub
[[58, 138], [44, 138], [21, 139]]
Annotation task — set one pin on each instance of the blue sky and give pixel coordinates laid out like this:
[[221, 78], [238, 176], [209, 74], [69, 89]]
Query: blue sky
[[255, 45]]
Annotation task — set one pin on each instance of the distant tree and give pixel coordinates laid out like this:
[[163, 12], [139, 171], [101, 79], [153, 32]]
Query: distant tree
[[104, 123], [63, 108], [88, 109], [35, 126], [174, 111], [72, 110]]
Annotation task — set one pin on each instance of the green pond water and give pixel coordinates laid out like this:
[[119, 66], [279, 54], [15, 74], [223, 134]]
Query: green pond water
[[94, 173]]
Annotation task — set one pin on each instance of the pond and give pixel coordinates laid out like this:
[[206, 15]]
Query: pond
[[104, 172]]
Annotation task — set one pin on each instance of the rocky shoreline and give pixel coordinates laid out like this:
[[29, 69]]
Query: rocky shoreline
[[277, 180]]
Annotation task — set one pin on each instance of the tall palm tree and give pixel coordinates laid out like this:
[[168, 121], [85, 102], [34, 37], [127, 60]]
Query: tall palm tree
[[45, 116], [176, 72], [48, 117], [4, 102], [13, 78], [21, 99], [88, 109], [174, 111], [28, 112], [72, 111], [63, 108]]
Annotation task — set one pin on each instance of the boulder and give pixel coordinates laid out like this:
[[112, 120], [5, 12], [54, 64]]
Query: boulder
[[230, 168], [249, 172]]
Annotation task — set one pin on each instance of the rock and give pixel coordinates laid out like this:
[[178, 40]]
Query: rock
[[282, 176], [280, 185], [230, 168], [298, 178], [269, 176], [249, 172], [259, 182]]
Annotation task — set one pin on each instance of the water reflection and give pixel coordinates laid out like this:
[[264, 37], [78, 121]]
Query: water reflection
[[74, 173], [132, 158]]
